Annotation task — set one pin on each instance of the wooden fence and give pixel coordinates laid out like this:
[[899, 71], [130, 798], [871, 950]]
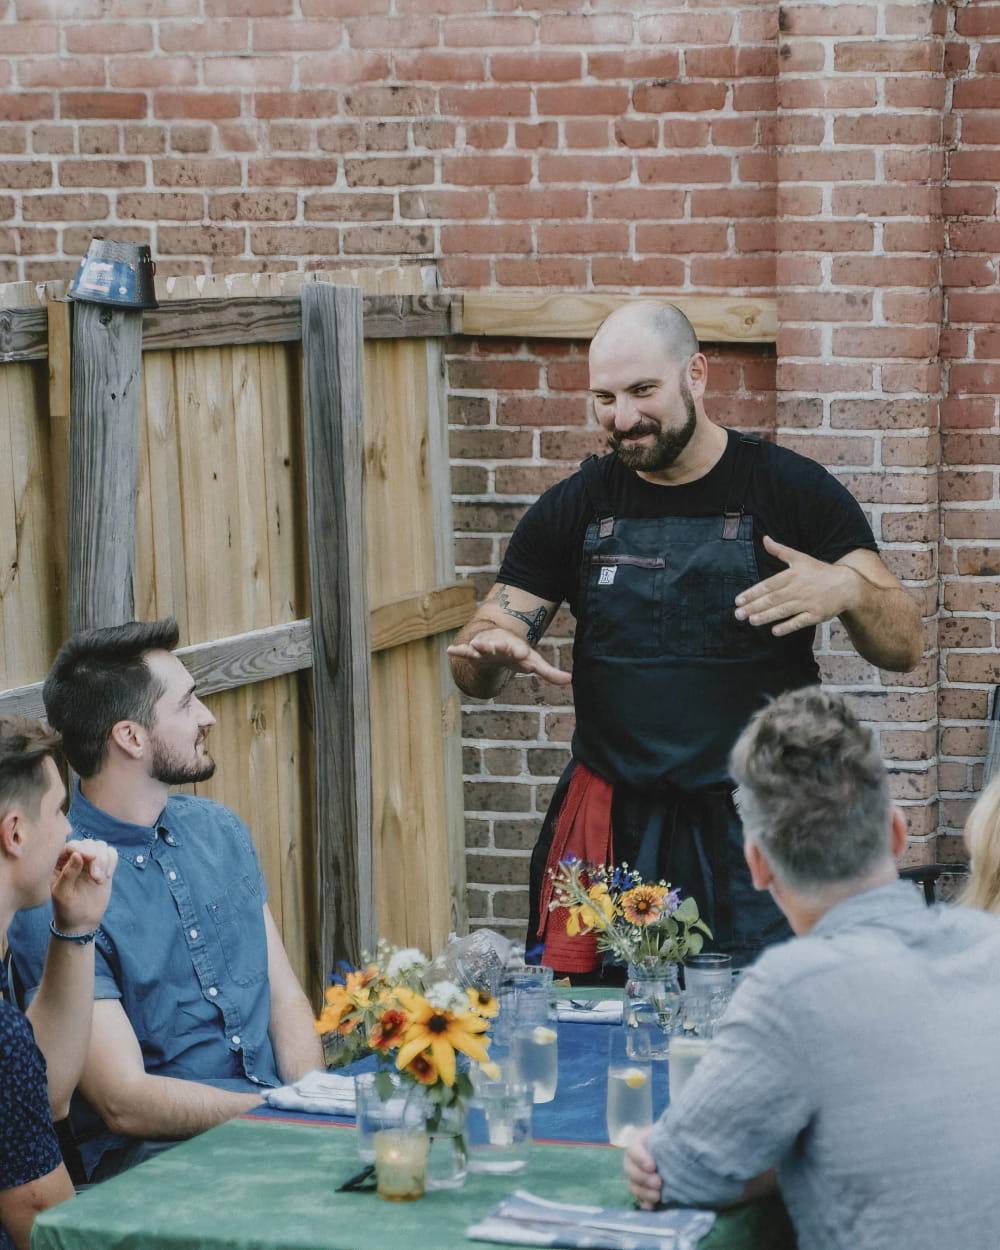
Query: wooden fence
[[264, 458]]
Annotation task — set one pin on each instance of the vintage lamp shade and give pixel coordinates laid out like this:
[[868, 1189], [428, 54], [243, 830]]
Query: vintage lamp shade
[[115, 273]]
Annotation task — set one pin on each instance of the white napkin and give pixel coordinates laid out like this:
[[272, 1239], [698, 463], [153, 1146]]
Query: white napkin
[[527, 1220], [597, 1011], [328, 1093]]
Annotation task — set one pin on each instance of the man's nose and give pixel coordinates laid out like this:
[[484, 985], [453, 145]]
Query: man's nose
[[206, 718], [625, 414]]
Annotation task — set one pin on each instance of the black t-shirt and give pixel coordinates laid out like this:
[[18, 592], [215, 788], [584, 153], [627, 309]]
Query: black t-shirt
[[791, 498]]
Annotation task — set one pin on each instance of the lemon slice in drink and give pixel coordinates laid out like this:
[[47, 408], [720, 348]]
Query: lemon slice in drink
[[543, 1036], [635, 1079]]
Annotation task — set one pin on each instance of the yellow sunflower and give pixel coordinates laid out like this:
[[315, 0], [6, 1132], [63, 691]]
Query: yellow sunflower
[[389, 1029], [483, 1003], [441, 1033], [643, 905], [339, 1003], [597, 914]]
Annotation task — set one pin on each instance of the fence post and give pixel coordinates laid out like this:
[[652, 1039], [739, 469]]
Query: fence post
[[333, 410], [106, 375]]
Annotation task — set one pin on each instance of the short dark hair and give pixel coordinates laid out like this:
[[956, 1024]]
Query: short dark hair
[[25, 744], [814, 794], [101, 677]]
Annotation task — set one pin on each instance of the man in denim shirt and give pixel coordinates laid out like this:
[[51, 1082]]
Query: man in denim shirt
[[198, 1009], [858, 1059]]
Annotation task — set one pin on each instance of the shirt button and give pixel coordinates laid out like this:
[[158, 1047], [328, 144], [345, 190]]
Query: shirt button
[[140, 859], [212, 990], [172, 876], [192, 933], [236, 1039]]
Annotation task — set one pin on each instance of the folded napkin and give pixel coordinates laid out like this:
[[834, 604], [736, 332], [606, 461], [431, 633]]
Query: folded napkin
[[527, 1220], [328, 1093], [596, 1011]]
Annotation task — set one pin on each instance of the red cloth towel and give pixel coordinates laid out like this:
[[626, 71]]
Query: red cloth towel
[[583, 829]]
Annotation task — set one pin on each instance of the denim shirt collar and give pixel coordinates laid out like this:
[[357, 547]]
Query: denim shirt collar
[[133, 842]]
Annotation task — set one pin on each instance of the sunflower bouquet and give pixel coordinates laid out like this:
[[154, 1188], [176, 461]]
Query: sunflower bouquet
[[400, 1007], [639, 922]]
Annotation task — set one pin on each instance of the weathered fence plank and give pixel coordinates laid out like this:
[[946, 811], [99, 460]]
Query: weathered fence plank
[[333, 409], [106, 387]]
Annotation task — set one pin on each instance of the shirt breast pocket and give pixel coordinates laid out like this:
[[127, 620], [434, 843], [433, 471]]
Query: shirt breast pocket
[[623, 611], [237, 915]]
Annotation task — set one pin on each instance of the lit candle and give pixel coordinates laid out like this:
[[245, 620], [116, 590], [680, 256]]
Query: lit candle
[[400, 1162]]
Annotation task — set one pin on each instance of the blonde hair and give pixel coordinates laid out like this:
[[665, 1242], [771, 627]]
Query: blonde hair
[[982, 838]]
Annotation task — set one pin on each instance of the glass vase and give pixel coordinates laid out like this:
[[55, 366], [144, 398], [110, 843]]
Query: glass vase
[[448, 1155], [652, 1002]]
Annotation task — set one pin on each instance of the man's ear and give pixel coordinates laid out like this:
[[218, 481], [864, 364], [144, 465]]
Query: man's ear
[[11, 838], [697, 374], [129, 737], [898, 832], [760, 870]]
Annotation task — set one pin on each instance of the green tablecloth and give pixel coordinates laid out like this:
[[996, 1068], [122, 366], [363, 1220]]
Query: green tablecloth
[[270, 1185]]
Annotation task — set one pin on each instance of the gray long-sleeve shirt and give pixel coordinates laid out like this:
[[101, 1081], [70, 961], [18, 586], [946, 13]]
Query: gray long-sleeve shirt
[[861, 1062]]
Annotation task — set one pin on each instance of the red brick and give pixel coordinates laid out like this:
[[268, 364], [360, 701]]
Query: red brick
[[681, 238], [504, 375], [915, 92], [907, 451], [61, 73], [487, 238], [545, 410], [389, 240], [76, 239], [827, 93], [972, 306], [118, 104], [969, 596], [557, 271], [909, 377], [974, 236], [819, 378], [978, 561], [603, 30], [457, 205], [22, 38], [220, 35], [153, 72], [685, 170], [603, 168], [824, 19], [152, 8], [248, 8], [716, 63], [197, 138], [670, 97], [26, 106], [799, 341], [976, 165], [473, 102], [258, 73], [632, 64], [636, 203], [885, 55], [485, 171], [390, 100], [980, 128], [632, 132], [107, 38], [342, 68], [333, 207], [976, 93], [820, 236], [755, 96], [488, 32], [833, 167], [584, 100], [435, 65], [586, 132], [536, 66], [343, 8], [968, 271], [193, 172], [298, 36], [295, 241], [588, 239], [678, 28], [972, 449], [202, 105], [959, 487], [161, 206], [824, 306], [646, 272], [886, 127], [756, 272], [98, 140], [988, 60], [892, 341], [967, 412], [102, 173], [467, 272], [200, 240], [875, 271], [979, 667], [885, 201], [881, 414]]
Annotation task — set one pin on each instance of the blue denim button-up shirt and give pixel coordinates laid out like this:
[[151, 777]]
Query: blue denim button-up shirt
[[182, 945]]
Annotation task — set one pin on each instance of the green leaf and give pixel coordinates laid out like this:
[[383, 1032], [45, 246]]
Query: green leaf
[[687, 911], [384, 1085], [463, 1086]]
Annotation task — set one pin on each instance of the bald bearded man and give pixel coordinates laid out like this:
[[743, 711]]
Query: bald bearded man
[[698, 562]]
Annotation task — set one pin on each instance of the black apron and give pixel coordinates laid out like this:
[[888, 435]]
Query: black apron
[[664, 680]]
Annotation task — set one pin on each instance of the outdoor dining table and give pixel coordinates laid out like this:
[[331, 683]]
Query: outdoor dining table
[[269, 1181]]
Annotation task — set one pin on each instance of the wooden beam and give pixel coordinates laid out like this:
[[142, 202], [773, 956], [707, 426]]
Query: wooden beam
[[419, 616], [278, 319], [333, 411], [106, 373], [23, 334], [515, 314], [260, 654]]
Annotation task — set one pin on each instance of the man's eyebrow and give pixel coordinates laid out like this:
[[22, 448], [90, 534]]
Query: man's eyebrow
[[606, 390]]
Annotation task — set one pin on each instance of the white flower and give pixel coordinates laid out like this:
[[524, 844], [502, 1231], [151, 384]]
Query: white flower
[[409, 959], [447, 996]]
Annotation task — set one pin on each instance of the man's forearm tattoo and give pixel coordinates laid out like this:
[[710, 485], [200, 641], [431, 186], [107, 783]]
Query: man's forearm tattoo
[[535, 621]]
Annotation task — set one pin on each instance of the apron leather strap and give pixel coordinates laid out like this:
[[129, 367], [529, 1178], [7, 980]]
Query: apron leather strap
[[742, 468], [593, 483]]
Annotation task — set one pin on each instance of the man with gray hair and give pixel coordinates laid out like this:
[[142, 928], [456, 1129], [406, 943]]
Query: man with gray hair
[[851, 1052]]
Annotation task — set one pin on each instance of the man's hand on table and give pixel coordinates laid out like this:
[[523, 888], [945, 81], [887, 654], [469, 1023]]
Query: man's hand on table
[[640, 1172]]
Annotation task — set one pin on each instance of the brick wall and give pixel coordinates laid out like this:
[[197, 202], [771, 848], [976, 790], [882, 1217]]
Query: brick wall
[[841, 156]]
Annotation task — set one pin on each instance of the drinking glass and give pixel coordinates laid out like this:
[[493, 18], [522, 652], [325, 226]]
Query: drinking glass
[[708, 981], [685, 1051], [535, 1046], [630, 1084], [404, 1108], [499, 1126]]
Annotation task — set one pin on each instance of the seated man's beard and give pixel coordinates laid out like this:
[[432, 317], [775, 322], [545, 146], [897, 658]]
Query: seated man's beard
[[172, 770], [667, 446]]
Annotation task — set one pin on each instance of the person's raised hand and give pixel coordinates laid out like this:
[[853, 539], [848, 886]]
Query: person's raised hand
[[500, 648], [81, 884], [807, 593], [640, 1171]]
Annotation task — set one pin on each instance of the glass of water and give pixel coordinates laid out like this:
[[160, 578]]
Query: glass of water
[[684, 1053], [499, 1126], [630, 1084], [535, 1054]]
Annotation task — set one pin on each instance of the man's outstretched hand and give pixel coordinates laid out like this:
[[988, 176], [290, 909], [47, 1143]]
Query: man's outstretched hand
[[499, 648], [807, 593]]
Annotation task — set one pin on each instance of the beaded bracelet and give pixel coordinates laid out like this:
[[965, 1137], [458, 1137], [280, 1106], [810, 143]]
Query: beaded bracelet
[[81, 939]]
